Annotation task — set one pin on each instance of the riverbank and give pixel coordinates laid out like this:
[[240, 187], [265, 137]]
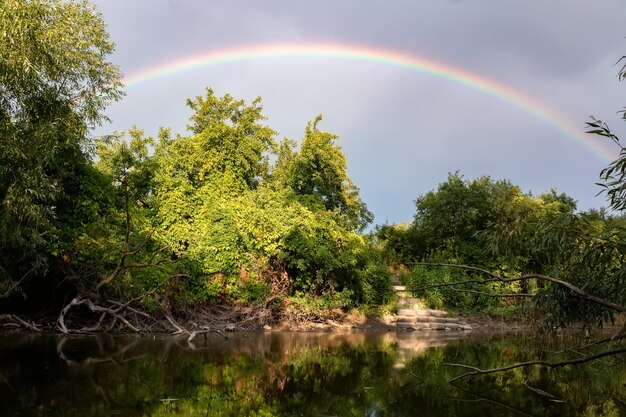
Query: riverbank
[[92, 318], [356, 321]]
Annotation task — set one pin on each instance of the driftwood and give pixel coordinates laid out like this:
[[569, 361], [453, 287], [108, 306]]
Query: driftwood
[[123, 316], [96, 309], [11, 318]]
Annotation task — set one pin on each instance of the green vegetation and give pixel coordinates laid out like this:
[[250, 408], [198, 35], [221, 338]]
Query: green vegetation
[[55, 82], [226, 214], [494, 226], [484, 246], [223, 214]]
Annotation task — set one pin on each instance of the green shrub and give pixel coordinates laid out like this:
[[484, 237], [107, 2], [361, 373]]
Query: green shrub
[[375, 284], [450, 296]]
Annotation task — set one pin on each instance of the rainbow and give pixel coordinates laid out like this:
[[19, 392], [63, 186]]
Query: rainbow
[[500, 91]]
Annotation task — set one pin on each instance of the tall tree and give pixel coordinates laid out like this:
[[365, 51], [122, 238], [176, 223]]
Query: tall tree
[[201, 177], [231, 137], [54, 83], [319, 175]]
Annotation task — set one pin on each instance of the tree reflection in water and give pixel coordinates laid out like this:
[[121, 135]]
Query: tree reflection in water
[[297, 374]]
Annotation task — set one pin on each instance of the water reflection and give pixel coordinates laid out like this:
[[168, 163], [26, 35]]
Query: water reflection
[[293, 374]]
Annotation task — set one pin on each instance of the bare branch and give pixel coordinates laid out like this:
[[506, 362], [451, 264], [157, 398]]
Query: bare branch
[[93, 307], [482, 398], [549, 364], [522, 294], [123, 265], [193, 333], [496, 278], [17, 283], [543, 393], [12, 317], [122, 306]]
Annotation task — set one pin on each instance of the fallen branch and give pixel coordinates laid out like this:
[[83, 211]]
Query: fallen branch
[[192, 333], [543, 393], [12, 317], [482, 398], [125, 306], [95, 308]]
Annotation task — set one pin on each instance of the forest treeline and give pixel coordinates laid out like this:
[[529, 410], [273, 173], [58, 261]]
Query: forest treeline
[[225, 213], [496, 227]]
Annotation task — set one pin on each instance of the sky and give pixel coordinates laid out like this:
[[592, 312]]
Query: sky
[[414, 89]]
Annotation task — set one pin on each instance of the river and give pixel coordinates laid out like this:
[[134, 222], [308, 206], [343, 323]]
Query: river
[[298, 374]]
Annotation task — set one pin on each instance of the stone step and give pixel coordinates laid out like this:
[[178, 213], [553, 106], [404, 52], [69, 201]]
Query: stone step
[[406, 319], [409, 318], [442, 326], [413, 326], [407, 312], [398, 288], [432, 319], [410, 303], [438, 313], [433, 326], [409, 299]]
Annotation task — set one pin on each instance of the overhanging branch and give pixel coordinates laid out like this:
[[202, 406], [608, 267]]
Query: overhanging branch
[[510, 295], [496, 278]]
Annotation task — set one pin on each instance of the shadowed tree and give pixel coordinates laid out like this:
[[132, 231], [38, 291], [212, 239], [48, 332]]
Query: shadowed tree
[[54, 83]]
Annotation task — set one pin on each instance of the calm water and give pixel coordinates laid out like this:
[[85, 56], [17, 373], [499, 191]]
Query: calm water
[[295, 374]]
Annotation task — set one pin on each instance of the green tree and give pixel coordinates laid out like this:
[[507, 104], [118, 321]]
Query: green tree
[[317, 173], [126, 238], [205, 184], [479, 222], [54, 83], [450, 218], [245, 228], [230, 134]]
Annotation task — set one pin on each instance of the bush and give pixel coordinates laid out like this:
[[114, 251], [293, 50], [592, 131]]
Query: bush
[[375, 284], [309, 303], [449, 297]]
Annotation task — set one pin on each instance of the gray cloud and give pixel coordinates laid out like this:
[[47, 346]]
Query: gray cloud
[[402, 131]]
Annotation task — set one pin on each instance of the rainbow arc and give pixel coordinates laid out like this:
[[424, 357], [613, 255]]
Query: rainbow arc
[[500, 91]]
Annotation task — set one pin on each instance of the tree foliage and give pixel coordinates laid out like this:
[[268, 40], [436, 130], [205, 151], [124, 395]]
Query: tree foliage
[[480, 222], [243, 225], [317, 174], [54, 83]]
